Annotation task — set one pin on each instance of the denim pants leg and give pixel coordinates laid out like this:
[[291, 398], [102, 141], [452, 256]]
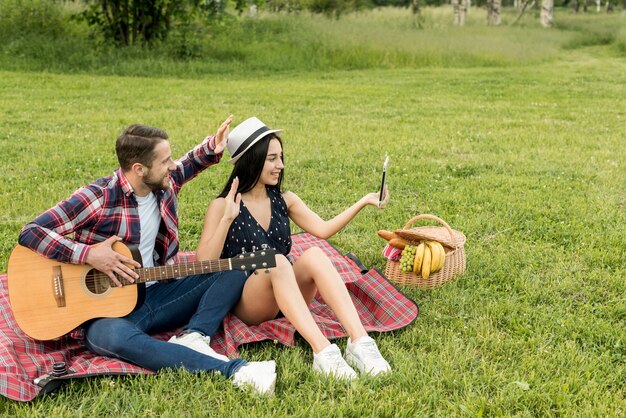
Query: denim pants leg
[[197, 302]]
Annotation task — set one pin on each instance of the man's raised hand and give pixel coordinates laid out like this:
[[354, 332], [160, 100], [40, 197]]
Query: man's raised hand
[[221, 137]]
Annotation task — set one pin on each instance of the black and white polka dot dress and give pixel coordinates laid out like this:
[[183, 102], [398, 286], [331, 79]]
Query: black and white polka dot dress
[[245, 232]]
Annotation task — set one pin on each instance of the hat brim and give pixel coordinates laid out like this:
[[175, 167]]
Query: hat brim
[[262, 135]]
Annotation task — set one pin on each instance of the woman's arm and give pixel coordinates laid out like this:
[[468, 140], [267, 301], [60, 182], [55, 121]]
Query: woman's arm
[[310, 221], [219, 216]]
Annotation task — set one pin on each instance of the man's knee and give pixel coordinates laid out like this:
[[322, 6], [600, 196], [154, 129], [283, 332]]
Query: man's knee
[[105, 336], [230, 283]]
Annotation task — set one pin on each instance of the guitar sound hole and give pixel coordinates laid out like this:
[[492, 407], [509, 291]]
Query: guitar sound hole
[[97, 282]]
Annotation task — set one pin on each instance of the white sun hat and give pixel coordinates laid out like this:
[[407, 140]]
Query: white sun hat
[[245, 135]]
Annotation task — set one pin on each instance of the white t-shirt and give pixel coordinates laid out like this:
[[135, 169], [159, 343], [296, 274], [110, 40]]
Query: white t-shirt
[[149, 222]]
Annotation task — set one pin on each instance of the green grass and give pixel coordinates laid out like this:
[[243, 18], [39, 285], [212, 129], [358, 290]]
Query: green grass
[[526, 160]]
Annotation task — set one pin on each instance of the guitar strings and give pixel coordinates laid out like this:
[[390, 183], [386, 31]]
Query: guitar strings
[[144, 273]]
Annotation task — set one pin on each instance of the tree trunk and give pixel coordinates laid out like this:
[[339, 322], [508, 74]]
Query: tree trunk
[[456, 12], [415, 7], [547, 7], [464, 7], [575, 6], [493, 12], [598, 5], [417, 14]]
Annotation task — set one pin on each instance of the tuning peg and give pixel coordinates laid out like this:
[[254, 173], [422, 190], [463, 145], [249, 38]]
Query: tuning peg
[[264, 246], [256, 272], [267, 270]]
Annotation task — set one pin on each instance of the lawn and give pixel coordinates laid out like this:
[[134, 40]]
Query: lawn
[[526, 158]]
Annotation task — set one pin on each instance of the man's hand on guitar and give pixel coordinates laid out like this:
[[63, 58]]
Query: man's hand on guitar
[[103, 258]]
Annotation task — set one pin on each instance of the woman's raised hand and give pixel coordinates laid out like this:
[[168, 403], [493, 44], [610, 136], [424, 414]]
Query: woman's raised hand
[[221, 137], [233, 202]]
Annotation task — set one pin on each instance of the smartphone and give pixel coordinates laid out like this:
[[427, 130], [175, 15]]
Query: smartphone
[[383, 182]]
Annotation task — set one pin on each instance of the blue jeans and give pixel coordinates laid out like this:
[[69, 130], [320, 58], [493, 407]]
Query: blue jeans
[[197, 303]]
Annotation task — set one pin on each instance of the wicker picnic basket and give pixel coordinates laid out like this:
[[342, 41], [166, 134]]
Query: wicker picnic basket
[[453, 243]]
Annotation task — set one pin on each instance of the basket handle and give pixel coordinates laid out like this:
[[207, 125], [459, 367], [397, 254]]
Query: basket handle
[[432, 217]]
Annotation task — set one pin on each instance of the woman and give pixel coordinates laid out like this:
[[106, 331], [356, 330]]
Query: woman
[[253, 210]]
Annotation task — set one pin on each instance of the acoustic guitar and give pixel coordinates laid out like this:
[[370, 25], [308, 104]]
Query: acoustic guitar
[[50, 298]]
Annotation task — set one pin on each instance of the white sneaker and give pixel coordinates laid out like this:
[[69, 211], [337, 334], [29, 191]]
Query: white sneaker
[[329, 361], [199, 343], [259, 375], [364, 355]]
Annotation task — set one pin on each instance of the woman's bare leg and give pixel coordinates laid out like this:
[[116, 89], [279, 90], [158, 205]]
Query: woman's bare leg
[[264, 294], [314, 271]]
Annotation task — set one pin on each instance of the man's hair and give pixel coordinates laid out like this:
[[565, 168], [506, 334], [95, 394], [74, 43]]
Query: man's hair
[[136, 145], [248, 168]]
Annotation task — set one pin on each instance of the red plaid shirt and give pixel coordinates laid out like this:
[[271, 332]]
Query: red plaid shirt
[[108, 207]]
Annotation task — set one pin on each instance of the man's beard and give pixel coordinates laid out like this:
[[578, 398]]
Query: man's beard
[[163, 184]]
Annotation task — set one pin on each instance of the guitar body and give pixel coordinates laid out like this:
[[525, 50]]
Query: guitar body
[[50, 298]]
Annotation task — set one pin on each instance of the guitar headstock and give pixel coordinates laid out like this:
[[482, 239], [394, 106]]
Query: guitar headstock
[[261, 259]]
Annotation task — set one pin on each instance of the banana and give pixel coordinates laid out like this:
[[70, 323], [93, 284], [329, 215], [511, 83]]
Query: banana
[[442, 256], [435, 250], [426, 262], [419, 256], [434, 256]]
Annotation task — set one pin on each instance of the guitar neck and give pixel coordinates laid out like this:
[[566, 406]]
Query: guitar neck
[[149, 274]]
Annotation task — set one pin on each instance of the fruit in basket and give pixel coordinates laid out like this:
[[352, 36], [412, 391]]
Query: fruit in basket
[[442, 256], [419, 257], [438, 256], [407, 258], [426, 262]]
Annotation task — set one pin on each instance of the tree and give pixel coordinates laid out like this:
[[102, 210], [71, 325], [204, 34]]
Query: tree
[[493, 12], [547, 7], [417, 13], [128, 22], [460, 11]]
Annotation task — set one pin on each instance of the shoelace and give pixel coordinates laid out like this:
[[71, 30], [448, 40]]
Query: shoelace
[[371, 350], [197, 336], [335, 358], [206, 340]]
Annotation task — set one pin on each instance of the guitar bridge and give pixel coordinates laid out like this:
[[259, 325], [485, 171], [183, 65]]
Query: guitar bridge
[[57, 286]]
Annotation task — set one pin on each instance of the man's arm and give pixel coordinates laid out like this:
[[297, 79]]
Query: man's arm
[[47, 234]]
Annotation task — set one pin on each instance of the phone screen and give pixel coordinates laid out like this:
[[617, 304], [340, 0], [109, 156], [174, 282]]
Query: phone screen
[[383, 182]]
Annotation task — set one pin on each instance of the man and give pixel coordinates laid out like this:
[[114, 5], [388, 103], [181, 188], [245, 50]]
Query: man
[[138, 204]]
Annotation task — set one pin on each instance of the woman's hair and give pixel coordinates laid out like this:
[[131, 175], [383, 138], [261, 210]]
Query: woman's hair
[[249, 167], [136, 145]]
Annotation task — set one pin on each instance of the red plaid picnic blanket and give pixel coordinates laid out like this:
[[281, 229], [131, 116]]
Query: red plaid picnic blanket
[[381, 306]]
